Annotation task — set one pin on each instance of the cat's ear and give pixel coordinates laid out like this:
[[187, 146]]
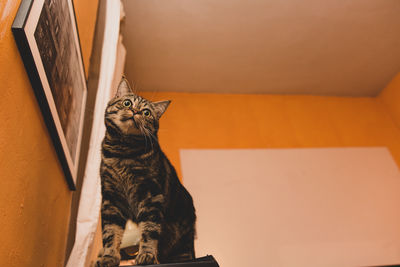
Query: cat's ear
[[160, 107], [123, 88]]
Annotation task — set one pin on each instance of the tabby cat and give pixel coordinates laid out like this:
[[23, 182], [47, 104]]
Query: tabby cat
[[139, 184]]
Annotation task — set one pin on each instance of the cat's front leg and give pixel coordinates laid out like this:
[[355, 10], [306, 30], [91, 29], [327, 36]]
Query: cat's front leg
[[149, 220], [109, 255], [113, 224], [148, 247]]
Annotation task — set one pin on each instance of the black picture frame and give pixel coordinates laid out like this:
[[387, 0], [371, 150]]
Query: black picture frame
[[46, 34]]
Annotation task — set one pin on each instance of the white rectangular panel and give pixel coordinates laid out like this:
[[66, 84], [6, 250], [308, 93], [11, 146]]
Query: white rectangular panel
[[295, 207]]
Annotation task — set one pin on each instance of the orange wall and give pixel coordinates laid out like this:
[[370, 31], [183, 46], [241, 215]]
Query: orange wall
[[34, 196], [86, 11], [273, 121]]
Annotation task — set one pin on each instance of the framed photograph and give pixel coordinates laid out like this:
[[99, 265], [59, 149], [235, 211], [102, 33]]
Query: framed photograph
[[46, 35]]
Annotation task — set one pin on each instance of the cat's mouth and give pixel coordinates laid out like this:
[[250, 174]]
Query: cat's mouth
[[133, 123], [127, 119]]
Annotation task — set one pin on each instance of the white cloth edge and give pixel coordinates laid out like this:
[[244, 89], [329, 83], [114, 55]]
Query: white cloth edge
[[90, 201]]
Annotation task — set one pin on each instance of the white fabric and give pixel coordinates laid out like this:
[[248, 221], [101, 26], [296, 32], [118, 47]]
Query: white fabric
[[89, 207]]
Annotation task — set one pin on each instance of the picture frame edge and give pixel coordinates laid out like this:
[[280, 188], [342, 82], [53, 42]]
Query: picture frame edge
[[37, 87], [22, 14]]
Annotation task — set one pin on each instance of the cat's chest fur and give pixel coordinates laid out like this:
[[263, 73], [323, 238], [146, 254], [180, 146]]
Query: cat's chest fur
[[130, 172], [133, 179], [131, 175]]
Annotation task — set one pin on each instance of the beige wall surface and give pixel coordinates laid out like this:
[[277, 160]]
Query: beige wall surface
[[34, 196], [295, 207], [346, 48]]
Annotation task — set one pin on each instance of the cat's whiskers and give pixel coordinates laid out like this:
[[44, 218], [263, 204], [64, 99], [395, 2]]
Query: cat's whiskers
[[145, 132], [152, 135], [149, 135]]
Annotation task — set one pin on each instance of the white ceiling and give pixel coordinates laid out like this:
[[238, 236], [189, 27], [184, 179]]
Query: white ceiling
[[341, 47]]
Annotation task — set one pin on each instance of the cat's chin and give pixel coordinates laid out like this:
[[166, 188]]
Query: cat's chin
[[133, 138], [135, 134], [129, 127]]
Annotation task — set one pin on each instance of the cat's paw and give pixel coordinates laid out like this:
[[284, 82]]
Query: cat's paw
[[145, 258], [107, 261], [110, 259]]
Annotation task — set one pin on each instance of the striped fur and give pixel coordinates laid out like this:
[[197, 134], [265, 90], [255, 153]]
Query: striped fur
[[139, 183]]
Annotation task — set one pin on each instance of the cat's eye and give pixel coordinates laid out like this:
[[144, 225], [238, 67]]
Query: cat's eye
[[127, 103], [146, 113]]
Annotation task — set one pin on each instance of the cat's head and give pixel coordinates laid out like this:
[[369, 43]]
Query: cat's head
[[131, 115]]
